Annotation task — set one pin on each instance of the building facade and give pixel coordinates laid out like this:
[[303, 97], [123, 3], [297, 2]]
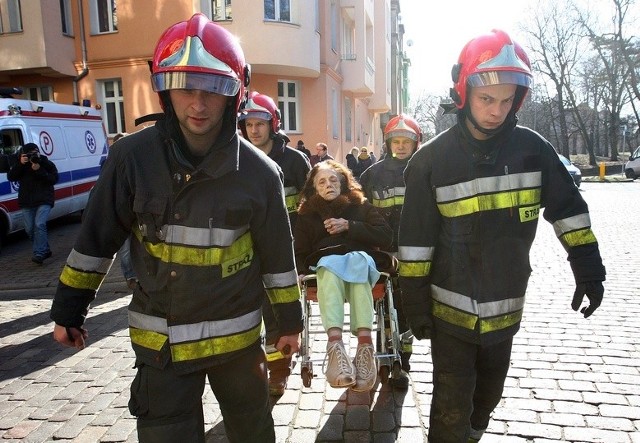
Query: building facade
[[335, 67]]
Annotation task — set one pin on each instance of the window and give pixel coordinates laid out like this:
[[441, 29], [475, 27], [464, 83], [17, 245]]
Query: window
[[11, 18], [103, 16], [221, 10], [347, 119], [113, 106], [289, 105], [39, 93], [348, 34], [65, 17], [277, 10], [334, 26]]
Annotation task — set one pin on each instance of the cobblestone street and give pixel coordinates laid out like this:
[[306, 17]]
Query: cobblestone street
[[571, 379]]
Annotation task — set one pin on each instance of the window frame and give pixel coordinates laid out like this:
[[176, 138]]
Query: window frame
[[285, 102], [118, 101], [277, 10], [95, 9]]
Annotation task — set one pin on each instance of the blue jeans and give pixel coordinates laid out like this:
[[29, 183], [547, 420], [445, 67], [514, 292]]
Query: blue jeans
[[35, 225], [125, 260]]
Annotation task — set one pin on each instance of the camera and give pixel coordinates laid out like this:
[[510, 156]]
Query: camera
[[33, 157]]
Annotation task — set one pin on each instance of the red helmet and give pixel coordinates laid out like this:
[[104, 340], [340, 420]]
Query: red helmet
[[403, 126], [490, 59], [200, 54], [260, 106]]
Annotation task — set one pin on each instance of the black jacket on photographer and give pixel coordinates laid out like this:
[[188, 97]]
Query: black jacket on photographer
[[36, 187]]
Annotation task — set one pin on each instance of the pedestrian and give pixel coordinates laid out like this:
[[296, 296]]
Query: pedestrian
[[302, 148], [473, 198], [338, 236], [36, 175], [383, 185], [320, 155], [352, 158], [364, 161], [259, 123], [210, 232]]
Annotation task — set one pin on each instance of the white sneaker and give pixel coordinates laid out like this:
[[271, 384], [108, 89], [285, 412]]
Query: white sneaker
[[340, 371], [366, 368]]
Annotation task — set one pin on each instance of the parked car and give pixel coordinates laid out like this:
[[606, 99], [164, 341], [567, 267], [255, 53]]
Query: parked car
[[575, 172], [632, 167]]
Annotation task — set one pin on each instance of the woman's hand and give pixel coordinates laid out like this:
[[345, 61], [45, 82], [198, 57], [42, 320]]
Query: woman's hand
[[336, 225]]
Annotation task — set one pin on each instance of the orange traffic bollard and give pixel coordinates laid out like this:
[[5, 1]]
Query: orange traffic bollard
[[601, 174]]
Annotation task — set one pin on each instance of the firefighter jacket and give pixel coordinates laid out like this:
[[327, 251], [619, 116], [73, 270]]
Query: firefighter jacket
[[295, 167], [368, 230], [206, 242], [469, 219], [383, 185]]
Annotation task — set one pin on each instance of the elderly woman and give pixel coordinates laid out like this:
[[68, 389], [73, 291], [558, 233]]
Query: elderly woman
[[338, 235]]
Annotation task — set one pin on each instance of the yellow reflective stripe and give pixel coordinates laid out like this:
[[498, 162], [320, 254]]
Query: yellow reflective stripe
[[469, 321], [274, 356], [397, 200], [292, 202], [577, 238], [81, 280], [453, 316], [490, 202], [214, 346], [501, 322], [284, 295], [414, 269], [147, 339], [191, 256]]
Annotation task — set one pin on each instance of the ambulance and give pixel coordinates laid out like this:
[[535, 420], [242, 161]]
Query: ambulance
[[71, 136]]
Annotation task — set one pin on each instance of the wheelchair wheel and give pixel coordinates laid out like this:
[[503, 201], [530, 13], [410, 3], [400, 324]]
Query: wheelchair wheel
[[384, 374], [307, 375]]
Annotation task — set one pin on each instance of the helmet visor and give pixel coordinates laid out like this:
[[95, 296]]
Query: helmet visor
[[401, 133], [255, 114], [218, 84], [489, 78]]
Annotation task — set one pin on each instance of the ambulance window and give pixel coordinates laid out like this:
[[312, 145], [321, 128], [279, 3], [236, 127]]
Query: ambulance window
[[10, 141]]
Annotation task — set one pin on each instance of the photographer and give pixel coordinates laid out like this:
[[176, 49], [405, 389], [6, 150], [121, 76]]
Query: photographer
[[36, 175]]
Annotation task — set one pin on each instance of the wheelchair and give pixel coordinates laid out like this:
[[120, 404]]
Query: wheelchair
[[385, 326]]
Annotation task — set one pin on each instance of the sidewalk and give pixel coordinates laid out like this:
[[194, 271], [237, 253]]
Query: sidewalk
[[571, 379]]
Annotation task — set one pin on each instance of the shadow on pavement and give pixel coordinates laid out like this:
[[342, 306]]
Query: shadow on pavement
[[41, 351]]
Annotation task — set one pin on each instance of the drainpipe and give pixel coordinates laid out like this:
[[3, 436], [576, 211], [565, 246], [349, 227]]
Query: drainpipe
[[83, 45]]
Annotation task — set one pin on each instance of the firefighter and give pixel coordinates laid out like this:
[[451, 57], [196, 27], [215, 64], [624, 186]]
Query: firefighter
[[473, 198], [383, 185], [209, 233], [259, 122]]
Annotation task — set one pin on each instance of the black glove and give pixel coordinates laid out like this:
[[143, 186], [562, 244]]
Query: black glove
[[421, 325], [594, 292]]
